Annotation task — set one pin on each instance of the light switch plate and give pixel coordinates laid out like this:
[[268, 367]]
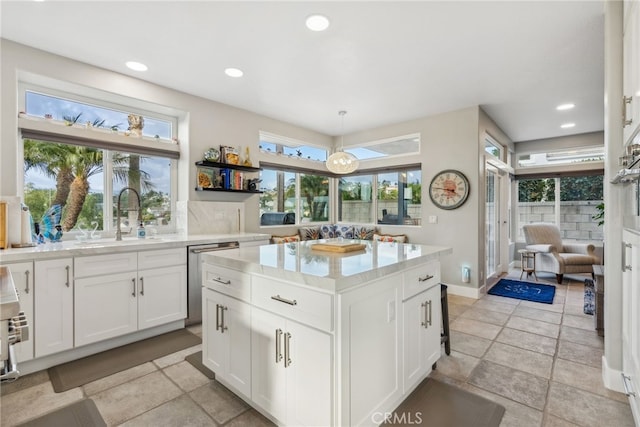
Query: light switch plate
[[433, 219]]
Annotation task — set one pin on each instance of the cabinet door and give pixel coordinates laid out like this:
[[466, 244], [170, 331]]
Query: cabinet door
[[22, 274], [414, 364], [631, 69], [162, 296], [308, 356], [631, 319], [53, 304], [268, 380], [226, 340], [105, 307]]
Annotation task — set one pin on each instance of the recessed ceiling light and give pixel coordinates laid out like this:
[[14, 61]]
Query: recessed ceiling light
[[317, 22], [136, 66], [233, 72], [567, 125], [563, 107]]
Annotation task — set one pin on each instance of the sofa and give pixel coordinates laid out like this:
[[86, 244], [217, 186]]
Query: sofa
[[334, 231]]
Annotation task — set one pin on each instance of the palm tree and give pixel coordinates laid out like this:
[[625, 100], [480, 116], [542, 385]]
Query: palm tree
[[53, 161]]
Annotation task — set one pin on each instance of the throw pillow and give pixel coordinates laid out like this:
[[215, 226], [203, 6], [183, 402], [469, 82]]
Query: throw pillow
[[363, 232], [285, 239], [399, 238], [309, 233], [344, 231], [328, 231]]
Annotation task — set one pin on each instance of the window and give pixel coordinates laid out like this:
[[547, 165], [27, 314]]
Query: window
[[85, 176], [399, 197], [564, 157], [568, 201], [355, 199], [401, 145], [293, 197], [289, 147], [493, 148]]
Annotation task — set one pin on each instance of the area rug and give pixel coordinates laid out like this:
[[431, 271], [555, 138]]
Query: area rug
[[91, 368], [528, 291], [439, 404], [79, 414], [589, 297], [196, 360]]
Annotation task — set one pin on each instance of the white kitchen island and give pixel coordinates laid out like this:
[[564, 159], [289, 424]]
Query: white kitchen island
[[309, 337]]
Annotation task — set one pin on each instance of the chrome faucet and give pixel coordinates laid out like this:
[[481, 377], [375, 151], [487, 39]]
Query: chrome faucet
[[118, 231]]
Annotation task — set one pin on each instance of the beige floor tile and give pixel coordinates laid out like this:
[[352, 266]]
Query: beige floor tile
[[584, 321], [581, 336], [455, 310], [488, 316], [504, 300], [186, 376], [580, 353], [35, 401], [528, 341], [250, 418], [457, 365], [217, 401], [460, 300], [533, 326], [500, 307], [553, 421], [584, 377], [587, 409], [122, 377], [515, 415], [469, 344], [126, 401], [475, 327], [538, 314], [555, 307], [177, 357], [523, 360], [182, 411]]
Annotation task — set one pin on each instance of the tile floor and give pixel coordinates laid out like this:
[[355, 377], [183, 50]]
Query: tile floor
[[541, 362]]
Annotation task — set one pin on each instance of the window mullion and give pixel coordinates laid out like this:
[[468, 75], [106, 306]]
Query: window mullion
[[557, 204], [107, 202]]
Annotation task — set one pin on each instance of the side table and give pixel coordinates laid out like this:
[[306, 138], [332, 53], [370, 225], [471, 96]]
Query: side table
[[528, 263]]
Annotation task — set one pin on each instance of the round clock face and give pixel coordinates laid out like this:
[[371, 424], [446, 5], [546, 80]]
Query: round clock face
[[449, 189]]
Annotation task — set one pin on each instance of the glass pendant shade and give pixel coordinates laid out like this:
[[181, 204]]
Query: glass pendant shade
[[342, 162]]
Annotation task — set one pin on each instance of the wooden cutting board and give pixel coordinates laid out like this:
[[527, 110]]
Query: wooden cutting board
[[338, 247]]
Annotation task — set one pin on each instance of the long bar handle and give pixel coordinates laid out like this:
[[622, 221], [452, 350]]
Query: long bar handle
[[141, 285], [284, 300], [626, 100], [219, 280], [217, 317], [425, 278], [626, 382], [133, 283], [222, 325], [625, 266], [430, 311], [278, 351], [26, 281], [287, 343], [68, 278], [423, 323]]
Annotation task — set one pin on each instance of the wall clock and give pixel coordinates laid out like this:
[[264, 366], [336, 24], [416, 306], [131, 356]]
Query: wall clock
[[449, 189]]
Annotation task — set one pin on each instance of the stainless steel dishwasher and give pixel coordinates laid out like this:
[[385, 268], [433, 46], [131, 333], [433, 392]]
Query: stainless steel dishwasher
[[194, 277]]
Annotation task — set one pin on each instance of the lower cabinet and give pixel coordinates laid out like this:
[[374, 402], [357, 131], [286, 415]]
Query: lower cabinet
[[291, 370], [162, 295], [226, 347], [631, 320], [53, 302], [422, 319], [22, 274]]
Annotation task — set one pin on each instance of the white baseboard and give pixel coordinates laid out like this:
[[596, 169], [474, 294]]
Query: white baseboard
[[465, 291], [612, 378]]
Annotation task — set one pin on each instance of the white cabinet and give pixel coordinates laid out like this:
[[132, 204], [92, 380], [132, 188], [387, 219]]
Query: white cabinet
[[422, 317], [143, 290], [53, 305], [22, 274], [631, 319], [631, 69], [291, 370], [226, 345]]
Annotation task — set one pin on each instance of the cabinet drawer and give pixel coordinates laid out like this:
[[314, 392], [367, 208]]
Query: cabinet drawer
[[98, 265], [419, 279], [301, 304], [227, 281], [162, 258]]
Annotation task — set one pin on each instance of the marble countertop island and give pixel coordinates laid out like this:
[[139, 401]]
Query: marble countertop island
[[337, 272]]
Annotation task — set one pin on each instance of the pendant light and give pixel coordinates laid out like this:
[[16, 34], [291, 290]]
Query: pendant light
[[342, 162]]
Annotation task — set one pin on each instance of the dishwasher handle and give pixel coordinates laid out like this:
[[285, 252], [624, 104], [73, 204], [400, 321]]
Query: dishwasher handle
[[214, 248]]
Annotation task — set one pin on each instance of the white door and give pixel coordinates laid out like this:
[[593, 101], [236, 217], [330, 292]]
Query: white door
[[22, 274], [631, 320], [53, 304], [162, 296], [105, 307], [496, 224]]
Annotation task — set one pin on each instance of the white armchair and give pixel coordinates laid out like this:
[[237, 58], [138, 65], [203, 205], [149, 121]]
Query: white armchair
[[555, 256]]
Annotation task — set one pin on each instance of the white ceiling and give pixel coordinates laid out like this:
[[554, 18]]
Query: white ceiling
[[383, 62]]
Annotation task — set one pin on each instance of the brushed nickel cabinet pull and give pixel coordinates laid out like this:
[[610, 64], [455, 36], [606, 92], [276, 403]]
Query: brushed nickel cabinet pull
[[217, 317], [284, 300], [425, 278], [68, 269], [219, 280], [287, 343], [141, 285], [278, 352], [626, 100], [222, 326], [626, 381], [430, 310], [625, 266], [133, 283], [26, 282], [424, 314]]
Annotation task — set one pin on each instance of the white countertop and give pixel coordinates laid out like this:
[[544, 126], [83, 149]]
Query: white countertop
[[299, 263], [73, 248]]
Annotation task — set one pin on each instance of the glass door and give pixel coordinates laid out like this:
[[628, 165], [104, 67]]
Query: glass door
[[492, 222]]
